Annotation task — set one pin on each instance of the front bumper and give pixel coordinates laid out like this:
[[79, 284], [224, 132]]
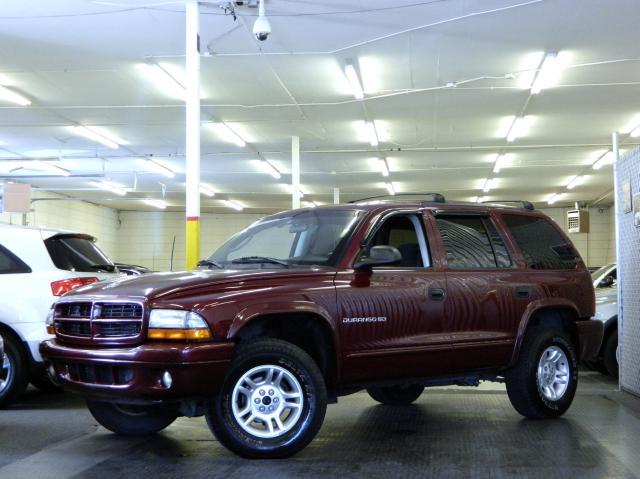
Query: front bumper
[[135, 374], [590, 333]]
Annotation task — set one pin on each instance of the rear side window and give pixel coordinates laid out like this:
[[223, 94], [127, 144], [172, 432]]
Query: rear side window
[[77, 253], [472, 242], [542, 246], [11, 264]]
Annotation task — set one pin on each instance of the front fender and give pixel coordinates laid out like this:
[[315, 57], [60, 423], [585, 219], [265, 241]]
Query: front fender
[[554, 304]]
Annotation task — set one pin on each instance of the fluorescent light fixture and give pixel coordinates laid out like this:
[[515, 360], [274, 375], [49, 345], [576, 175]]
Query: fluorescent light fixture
[[51, 168], [156, 167], [482, 199], [519, 127], [384, 167], [632, 126], [390, 188], [271, 169], [605, 159], [96, 134], [548, 73], [226, 133], [290, 188], [489, 183], [312, 204], [155, 203], [108, 186], [351, 73], [576, 181], [207, 190], [500, 162], [555, 197], [372, 133], [13, 97], [635, 133], [233, 204], [164, 77]]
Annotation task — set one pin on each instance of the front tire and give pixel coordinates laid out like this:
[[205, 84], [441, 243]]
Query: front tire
[[396, 395], [272, 402], [14, 371], [543, 382], [128, 420]]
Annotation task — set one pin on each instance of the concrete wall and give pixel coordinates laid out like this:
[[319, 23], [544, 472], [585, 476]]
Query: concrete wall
[[146, 238], [78, 216]]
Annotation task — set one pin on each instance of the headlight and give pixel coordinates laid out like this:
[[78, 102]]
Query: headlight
[[176, 324], [51, 328]]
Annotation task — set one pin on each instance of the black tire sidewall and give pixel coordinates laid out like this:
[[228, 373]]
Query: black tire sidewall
[[609, 355], [20, 379], [115, 420], [231, 434], [545, 340]]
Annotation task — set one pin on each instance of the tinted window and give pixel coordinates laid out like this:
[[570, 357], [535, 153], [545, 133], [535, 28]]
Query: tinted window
[[77, 253], [472, 242], [542, 246], [10, 263], [402, 232]]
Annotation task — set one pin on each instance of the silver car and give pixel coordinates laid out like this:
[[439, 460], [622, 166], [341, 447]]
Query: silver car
[[605, 284]]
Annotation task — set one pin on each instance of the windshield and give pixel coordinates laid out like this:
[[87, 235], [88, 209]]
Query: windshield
[[300, 237], [600, 271]]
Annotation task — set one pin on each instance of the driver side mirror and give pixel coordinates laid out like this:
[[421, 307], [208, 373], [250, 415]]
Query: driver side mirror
[[379, 255], [606, 282]]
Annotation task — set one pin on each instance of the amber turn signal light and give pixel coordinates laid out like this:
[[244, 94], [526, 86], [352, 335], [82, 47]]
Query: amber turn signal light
[[179, 334], [51, 330]]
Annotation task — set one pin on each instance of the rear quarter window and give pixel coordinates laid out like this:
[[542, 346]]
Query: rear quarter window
[[11, 264], [542, 245]]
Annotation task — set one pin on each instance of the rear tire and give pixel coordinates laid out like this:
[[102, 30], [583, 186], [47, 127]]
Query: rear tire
[[543, 382], [14, 371], [272, 402], [128, 420], [609, 354], [396, 395]]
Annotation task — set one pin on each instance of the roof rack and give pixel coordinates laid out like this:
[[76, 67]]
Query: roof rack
[[436, 197], [527, 205]]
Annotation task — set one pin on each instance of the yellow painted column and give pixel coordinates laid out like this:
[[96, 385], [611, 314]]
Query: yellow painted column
[[192, 134], [193, 241]]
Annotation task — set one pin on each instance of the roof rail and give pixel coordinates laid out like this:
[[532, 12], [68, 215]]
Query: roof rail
[[436, 197], [527, 205]]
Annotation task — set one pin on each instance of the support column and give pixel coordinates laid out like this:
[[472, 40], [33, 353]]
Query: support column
[[295, 172], [336, 196], [192, 98], [617, 209]]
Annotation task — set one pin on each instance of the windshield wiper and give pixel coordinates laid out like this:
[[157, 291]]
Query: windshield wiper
[[208, 263], [260, 259]]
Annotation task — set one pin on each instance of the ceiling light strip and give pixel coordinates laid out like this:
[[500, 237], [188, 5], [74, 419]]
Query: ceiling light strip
[[88, 132], [353, 78], [156, 167]]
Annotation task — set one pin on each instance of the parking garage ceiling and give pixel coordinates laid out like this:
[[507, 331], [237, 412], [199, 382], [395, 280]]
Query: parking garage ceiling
[[443, 82]]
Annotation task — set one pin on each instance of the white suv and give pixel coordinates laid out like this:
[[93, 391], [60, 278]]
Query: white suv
[[36, 267]]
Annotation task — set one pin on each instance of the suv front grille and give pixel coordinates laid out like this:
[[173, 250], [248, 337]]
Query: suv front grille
[[100, 321]]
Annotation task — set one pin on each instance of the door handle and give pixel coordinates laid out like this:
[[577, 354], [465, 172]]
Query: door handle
[[523, 292], [437, 294]]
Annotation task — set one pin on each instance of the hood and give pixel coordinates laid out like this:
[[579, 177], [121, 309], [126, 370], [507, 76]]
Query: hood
[[160, 285]]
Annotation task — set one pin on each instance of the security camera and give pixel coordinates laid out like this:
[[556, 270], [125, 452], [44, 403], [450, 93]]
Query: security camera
[[262, 28]]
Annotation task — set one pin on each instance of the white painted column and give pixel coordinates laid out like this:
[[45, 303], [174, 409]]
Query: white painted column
[[336, 196], [295, 172], [192, 133], [617, 212]]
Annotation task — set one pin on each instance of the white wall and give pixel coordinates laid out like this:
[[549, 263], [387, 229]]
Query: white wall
[[77, 216], [598, 247], [146, 238]]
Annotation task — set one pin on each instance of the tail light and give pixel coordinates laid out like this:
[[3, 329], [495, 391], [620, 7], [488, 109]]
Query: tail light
[[58, 288]]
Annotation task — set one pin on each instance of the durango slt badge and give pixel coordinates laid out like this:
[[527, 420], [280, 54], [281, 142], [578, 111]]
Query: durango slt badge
[[371, 319]]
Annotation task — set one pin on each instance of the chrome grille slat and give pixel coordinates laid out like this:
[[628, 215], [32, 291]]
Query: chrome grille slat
[[99, 321]]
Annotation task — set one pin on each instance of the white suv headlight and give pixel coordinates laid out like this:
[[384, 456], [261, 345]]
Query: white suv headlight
[[176, 324]]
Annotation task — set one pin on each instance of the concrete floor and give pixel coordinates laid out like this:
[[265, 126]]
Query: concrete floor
[[449, 432]]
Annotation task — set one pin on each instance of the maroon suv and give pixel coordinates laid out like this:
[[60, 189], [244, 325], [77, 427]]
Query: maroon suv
[[308, 305]]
